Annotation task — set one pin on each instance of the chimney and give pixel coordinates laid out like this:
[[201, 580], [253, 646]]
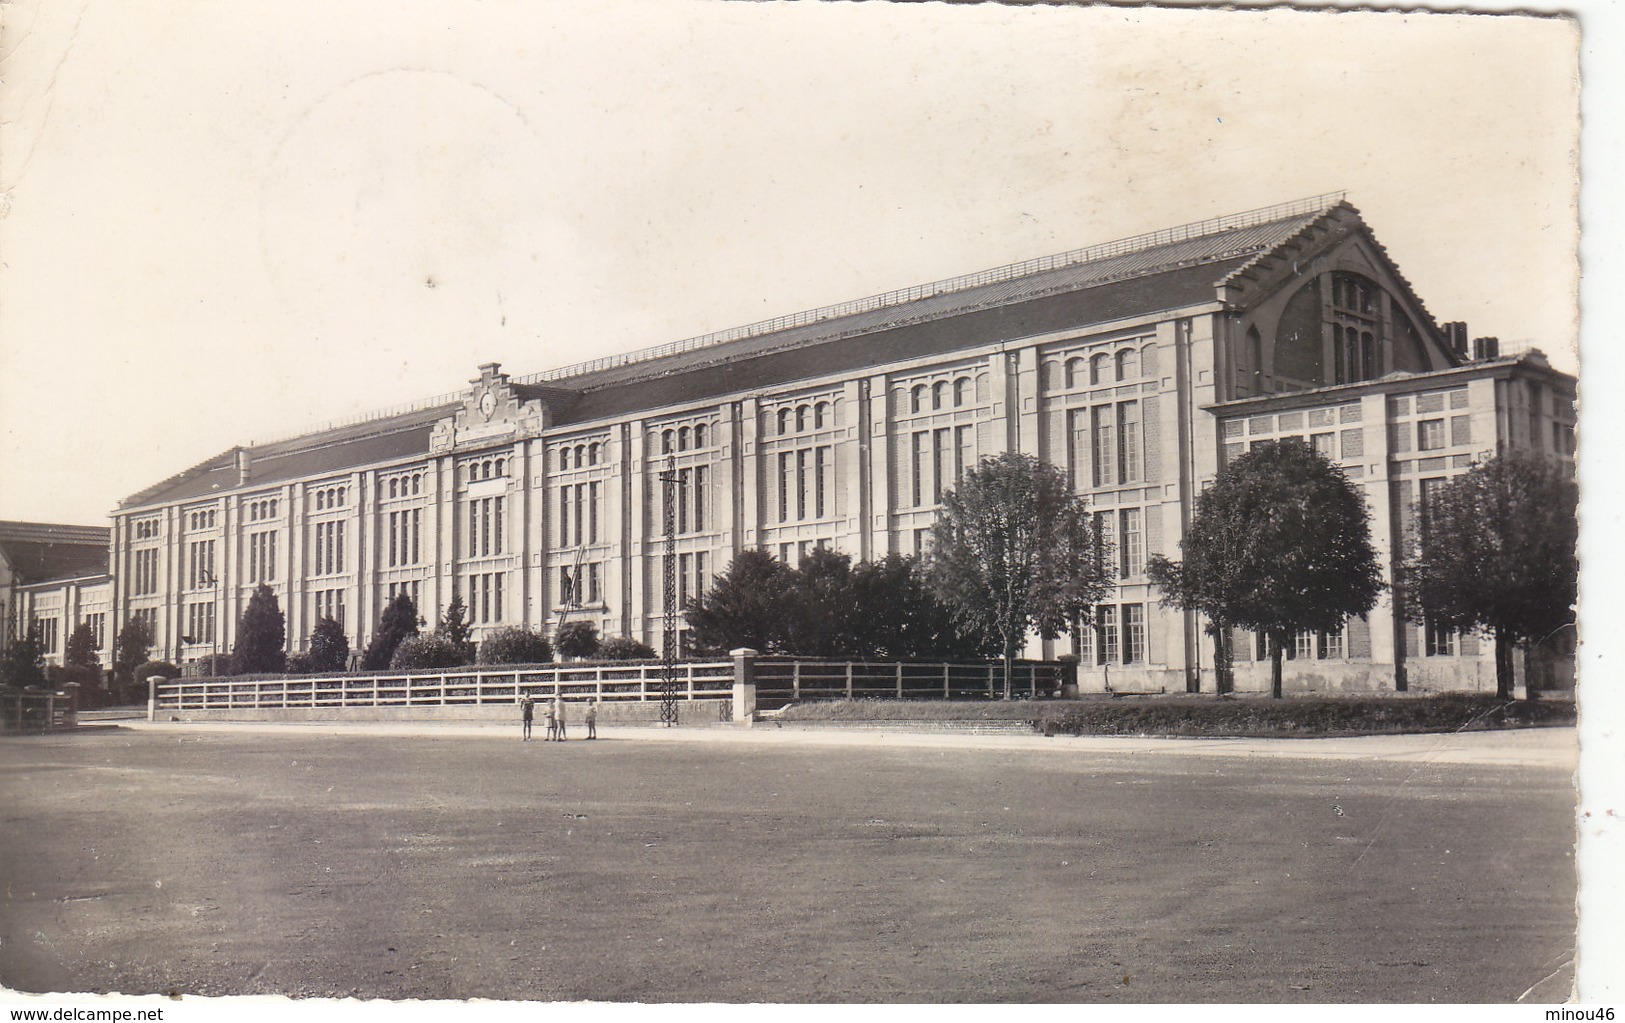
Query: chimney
[[245, 463], [1455, 337], [1486, 348]]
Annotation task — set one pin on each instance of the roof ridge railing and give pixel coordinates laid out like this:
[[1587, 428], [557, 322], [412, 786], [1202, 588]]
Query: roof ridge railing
[[994, 275], [900, 296]]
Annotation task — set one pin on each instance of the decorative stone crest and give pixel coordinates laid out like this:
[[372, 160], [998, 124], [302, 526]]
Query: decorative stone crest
[[493, 412]]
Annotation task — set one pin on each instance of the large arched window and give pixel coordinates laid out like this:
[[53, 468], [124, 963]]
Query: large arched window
[[1099, 369], [961, 391], [917, 398], [1128, 364]]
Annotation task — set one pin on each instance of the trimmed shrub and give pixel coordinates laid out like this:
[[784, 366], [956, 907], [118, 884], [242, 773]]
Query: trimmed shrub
[[329, 647], [515, 645], [213, 666], [624, 648], [428, 651], [577, 639], [299, 664], [151, 668]]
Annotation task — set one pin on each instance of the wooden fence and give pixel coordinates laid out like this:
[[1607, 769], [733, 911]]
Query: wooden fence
[[611, 683], [785, 680]]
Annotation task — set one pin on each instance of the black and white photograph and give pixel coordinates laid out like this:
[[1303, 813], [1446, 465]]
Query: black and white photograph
[[716, 503]]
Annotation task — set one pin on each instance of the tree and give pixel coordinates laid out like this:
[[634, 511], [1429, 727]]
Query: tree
[[1013, 551], [1280, 543], [130, 649], [399, 621], [1496, 552], [821, 604], [898, 616], [80, 651], [577, 639], [23, 666], [515, 645], [745, 607], [261, 635], [329, 647], [430, 651], [453, 627], [623, 648]]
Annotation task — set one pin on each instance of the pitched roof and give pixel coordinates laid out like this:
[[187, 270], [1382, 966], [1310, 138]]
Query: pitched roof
[[42, 551], [1168, 269]]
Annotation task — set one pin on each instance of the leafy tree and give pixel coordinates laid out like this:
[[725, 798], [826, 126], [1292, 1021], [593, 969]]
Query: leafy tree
[[1013, 550], [1496, 552], [23, 666], [80, 651], [453, 627], [298, 664], [399, 621], [430, 651], [577, 639], [515, 645], [130, 650], [162, 669], [214, 665], [261, 635], [329, 647], [821, 603], [745, 607], [1280, 543], [622, 648], [899, 617]]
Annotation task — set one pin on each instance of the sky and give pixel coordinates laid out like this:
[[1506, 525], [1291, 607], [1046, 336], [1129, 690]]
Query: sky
[[228, 223]]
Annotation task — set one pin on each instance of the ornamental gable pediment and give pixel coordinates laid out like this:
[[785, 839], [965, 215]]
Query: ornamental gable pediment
[[493, 412]]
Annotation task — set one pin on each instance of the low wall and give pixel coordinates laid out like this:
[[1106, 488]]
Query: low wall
[[695, 712]]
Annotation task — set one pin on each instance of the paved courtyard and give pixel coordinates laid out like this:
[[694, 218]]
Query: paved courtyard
[[769, 866]]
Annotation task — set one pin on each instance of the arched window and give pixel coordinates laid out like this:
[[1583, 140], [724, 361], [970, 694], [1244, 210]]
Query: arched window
[[917, 398], [801, 418], [502, 467], [1128, 364], [564, 458], [939, 393], [581, 455], [784, 421], [684, 438], [961, 391], [1148, 360], [699, 435], [417, 483], [594, 453], [1098, 366], [821, 415], [1076, 373], [321, 500], [394, 488]]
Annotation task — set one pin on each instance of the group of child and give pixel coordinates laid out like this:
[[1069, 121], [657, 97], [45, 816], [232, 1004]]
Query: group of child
[[555, 718]]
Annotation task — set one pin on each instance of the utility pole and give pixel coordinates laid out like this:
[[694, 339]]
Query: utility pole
[[670, 484]]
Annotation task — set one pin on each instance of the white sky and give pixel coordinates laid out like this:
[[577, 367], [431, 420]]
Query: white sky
[[228, 222]]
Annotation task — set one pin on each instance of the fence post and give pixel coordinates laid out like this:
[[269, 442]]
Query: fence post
[[946, 694], [152, 697], [849, 680], [744, 685], [795, 679], [899, 680]]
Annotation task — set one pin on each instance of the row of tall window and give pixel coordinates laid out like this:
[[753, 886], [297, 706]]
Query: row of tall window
[[578, 513], [581, 584], [97, 620], [328, 604], [49, 632], [405, 529], [331, 497], [200, 622], [806, 483], [410, 587], [937, 460], [202, 519], [327, 550], [692, 495], [1110, 438], [144, 573], [485, 597], [200, 564], [691, 577], [1117, 636], [1122, 535], [485, 526], [146, 529], [262, 556]]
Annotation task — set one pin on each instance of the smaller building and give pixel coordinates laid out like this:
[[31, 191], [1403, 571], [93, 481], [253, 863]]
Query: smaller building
[[56, 575]]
